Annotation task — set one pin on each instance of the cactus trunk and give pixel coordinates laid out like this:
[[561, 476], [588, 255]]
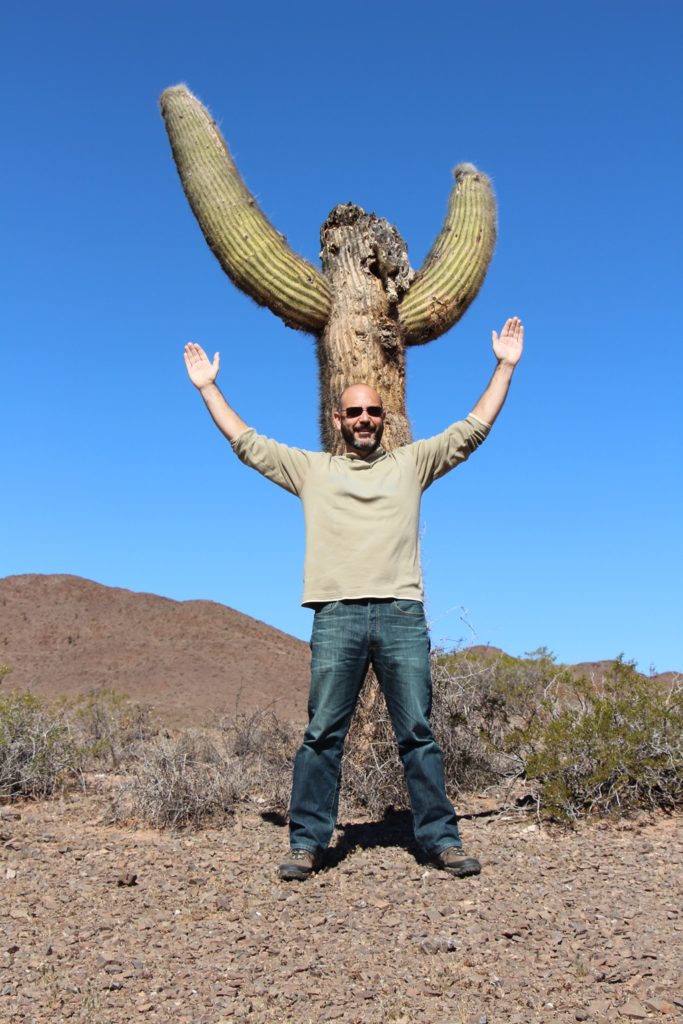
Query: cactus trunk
[[365, 262]]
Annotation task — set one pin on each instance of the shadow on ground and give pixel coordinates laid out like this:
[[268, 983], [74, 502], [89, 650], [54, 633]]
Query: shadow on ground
[[394, 829]]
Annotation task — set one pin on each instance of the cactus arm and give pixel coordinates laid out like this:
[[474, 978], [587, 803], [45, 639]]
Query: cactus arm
[[253, 254], [455, 268]]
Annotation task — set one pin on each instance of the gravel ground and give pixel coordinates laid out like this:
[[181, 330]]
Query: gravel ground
[[114, 924]]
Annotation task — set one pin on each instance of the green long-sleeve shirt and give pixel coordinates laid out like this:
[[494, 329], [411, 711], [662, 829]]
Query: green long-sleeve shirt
[[362, 515]]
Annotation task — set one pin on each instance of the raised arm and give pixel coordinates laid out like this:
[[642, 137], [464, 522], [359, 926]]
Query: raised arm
[[507, 348], [202, 372]]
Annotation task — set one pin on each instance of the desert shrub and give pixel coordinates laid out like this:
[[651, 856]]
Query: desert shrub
[[585, 747], [186, 781], [608, 748], [372, 776], [478, 701], [506, 692], [200, 776], [471, 719], [109, 726], [38, 753], [266, 746]]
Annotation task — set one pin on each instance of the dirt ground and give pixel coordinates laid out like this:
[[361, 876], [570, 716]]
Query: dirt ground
[[116, 924]]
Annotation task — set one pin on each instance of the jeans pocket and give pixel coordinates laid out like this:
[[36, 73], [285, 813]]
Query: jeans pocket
[[405, 607], [325, 608]]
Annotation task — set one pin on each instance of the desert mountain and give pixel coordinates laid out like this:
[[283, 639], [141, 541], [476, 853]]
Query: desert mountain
[[190, 660]]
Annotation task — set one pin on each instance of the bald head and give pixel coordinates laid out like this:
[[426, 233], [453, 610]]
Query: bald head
[[360, 419], [359, 394]]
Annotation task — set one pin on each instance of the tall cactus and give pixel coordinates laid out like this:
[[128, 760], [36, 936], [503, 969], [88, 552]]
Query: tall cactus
[[367, 305]]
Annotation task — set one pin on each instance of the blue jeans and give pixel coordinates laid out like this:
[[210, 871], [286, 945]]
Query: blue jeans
[[348, 637]]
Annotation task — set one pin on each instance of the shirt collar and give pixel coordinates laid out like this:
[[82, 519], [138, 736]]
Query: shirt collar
[[373, 457]]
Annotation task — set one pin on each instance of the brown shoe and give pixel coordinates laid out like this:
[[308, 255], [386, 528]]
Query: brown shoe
[[299, 866], [454, 860]]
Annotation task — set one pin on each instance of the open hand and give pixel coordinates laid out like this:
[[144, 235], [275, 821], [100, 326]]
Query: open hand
[[199, 369], [507, 346]]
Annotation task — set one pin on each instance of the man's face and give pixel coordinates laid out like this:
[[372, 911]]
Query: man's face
[[362, 432]]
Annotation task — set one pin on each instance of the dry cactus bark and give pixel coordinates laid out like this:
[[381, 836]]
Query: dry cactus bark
[[366, 305]]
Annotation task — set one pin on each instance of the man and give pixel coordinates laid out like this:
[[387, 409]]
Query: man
[[363, 579]]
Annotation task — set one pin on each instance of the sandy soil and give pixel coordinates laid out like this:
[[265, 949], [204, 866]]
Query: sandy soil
[[117, 924]]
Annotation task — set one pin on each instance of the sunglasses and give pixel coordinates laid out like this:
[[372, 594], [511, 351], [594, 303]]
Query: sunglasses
[[353, 411]]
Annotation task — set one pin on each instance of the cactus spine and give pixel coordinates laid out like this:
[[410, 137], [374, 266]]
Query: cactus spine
[[367, 305]]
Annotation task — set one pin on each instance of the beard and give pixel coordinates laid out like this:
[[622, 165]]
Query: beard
[[366, 445]]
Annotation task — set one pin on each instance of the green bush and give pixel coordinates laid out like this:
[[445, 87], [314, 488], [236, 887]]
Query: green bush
[[38, 754], [586, 747], [608, 749]]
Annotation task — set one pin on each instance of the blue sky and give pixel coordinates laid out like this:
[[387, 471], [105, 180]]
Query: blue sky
[[564, 530]]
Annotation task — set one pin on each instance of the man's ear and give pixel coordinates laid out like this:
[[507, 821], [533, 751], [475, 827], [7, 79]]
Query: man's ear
[[336, 416]]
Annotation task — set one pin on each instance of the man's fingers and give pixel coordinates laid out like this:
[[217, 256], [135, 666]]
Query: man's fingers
[[195, 354], [513, 327]]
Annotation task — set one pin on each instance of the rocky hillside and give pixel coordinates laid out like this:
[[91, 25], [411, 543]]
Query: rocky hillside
[[188, 659]]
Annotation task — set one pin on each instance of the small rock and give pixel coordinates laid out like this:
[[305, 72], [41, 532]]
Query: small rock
[[128, 878], [634, 1010], [438, 945], [581, 1015], [598, 1007], [660, 1005]]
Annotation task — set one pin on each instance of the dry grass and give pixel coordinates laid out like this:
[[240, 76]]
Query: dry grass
[[586, 748]]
